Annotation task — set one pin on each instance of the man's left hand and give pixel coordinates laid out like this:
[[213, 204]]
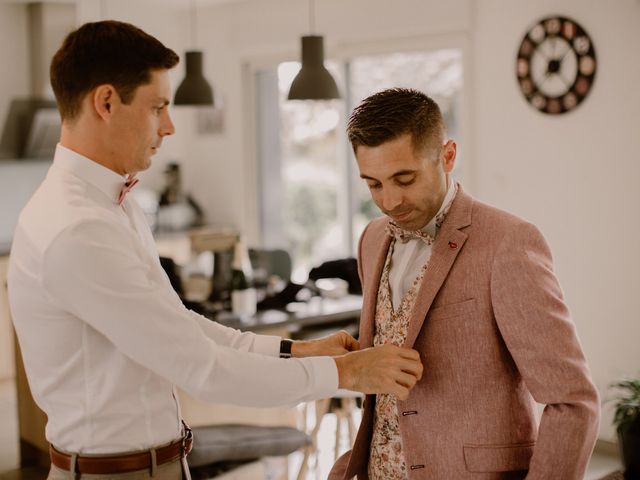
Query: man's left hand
[[332, 345]]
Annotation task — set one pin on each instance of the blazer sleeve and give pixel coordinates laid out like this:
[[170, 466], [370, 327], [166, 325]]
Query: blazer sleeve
[[541, 337]]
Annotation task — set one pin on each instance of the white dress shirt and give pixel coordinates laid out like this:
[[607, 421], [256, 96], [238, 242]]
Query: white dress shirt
[[408, 258], [104, 337]]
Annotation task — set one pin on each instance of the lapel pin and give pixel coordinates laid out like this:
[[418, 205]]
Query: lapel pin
[[453, 245]]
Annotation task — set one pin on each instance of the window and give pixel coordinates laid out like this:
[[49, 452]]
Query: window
[[313, 202]]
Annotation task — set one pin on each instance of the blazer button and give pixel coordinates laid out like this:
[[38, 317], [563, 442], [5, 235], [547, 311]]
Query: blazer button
[[416, 467], [409, 412]]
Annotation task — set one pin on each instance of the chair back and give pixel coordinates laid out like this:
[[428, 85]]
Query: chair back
[[271, 262]]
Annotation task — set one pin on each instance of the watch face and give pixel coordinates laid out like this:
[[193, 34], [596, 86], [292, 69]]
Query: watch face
[[556, 65]]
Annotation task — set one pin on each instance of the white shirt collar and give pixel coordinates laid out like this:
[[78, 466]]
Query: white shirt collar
[[430, 227], [90, 171]]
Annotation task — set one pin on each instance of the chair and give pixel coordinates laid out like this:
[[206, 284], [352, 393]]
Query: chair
[[220, 448], [271, 262], [226, 436]]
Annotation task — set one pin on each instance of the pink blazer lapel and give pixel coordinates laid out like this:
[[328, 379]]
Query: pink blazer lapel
[[446, 248], [374, 253]]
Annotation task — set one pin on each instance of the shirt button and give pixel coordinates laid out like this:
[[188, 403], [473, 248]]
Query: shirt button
[[416, 467], [409, 412]]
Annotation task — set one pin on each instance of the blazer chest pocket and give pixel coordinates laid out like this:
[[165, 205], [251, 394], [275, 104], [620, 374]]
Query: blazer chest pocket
[[498, 458], [448, 310]]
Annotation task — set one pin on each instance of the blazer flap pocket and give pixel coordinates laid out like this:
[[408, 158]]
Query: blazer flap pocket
[[498, 458], [453, 309]]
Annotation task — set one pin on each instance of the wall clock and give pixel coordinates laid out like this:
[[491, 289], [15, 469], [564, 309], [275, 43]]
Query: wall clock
[[556, 65]]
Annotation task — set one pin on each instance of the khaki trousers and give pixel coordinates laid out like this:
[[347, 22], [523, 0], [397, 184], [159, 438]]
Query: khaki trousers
[[176, 470]]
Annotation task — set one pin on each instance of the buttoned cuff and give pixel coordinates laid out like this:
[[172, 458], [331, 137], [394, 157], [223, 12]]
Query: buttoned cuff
[[325, 375], [268, 345]]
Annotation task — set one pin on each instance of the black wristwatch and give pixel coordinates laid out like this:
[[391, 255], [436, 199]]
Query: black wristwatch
[[285, 348]]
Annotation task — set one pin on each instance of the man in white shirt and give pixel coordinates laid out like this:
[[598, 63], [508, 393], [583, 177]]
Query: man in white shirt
[[104, 338]]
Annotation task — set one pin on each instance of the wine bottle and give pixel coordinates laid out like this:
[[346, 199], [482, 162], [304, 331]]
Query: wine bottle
[[243, 294]]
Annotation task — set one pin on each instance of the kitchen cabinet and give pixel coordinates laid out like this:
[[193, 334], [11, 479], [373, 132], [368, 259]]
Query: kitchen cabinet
[[34, 449]]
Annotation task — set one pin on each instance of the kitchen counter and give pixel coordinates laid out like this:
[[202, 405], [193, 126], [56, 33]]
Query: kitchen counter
[[317, 312]]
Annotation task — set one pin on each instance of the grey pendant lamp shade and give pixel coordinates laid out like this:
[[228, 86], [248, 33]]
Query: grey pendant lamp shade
[[194, 89], [313, 81]]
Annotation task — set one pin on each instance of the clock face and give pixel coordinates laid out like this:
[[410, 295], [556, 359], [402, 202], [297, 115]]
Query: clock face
[[556, 65]]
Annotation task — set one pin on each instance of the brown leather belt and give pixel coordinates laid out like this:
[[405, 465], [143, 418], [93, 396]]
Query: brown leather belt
[[128, 462]]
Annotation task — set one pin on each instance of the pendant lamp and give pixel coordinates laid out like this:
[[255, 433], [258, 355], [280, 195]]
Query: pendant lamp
[[194, 89], [313, 81]]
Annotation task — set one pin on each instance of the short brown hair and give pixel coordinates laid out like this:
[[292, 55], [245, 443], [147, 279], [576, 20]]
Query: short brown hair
[[107, 52], [388, 114]]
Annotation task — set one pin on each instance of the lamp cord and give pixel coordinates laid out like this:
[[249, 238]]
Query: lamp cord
[[194, 24], [312, 19]]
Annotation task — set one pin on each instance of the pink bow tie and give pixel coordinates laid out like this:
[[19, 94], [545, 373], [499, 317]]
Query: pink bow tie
[[399, 233], [131, 182], [394, 230]]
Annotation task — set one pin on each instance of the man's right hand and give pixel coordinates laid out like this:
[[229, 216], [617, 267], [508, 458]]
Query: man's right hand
[[384, 369]]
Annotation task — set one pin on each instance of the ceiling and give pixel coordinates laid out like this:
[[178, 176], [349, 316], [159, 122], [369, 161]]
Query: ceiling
[[175, 3]]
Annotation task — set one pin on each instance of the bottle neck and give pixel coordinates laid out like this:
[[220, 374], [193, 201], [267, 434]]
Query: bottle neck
[[241, 261]]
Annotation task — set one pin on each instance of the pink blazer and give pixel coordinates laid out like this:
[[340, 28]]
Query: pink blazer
[[494, 337]]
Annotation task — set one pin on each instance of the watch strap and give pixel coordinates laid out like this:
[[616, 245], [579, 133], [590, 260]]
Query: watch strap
[[285, 348]]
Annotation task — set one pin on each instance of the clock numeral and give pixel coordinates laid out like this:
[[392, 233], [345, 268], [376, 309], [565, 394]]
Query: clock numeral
[[587, 66], [581, 44], [526, 48], [554, 106], [537, 33], [526, 86], [582, 86], [523, 67], [552, 26], [569, 30], [538, 101], [569, 101]]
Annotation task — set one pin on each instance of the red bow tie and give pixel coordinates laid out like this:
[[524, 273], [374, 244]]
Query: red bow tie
[[131, 182]]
